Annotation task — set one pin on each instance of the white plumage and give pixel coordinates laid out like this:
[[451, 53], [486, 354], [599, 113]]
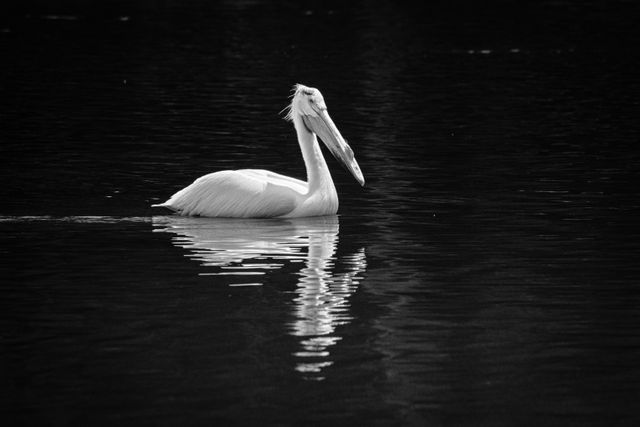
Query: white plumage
[[257, 193]]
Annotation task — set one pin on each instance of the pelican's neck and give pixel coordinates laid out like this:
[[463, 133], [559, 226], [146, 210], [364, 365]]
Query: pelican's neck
[[318, 175]]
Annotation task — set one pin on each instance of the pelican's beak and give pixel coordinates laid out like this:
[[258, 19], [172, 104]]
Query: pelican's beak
[[322, 125]]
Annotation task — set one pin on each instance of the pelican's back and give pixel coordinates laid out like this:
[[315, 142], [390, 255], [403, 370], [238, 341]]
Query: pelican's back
[[232, 194]]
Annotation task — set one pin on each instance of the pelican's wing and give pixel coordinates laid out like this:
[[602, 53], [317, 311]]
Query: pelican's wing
[[234, 194], [277, 179]]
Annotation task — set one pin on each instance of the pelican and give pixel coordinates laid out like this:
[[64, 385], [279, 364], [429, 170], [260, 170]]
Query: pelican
[[257, 193]]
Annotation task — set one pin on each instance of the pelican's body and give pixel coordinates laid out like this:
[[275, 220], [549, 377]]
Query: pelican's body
[[257, 193]]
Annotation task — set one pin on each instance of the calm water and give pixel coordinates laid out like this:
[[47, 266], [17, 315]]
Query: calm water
[[488, 274]]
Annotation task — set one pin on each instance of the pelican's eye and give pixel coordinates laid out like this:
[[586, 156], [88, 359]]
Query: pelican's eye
[[308, 92]]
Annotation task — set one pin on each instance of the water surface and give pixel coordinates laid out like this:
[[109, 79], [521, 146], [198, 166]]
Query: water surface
[[486, 275]]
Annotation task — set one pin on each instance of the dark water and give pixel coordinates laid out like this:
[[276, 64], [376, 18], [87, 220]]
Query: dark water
[[488, 274]]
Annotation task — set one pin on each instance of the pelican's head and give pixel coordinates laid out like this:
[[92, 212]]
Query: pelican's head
[[309, 110]]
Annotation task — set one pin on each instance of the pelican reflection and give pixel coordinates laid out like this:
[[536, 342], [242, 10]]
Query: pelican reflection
[[244, 250]]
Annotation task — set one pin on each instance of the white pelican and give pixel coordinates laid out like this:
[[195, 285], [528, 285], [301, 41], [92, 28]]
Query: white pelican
[[257, 193]]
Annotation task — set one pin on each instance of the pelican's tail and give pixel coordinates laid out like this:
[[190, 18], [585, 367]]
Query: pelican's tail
[[164, 205]]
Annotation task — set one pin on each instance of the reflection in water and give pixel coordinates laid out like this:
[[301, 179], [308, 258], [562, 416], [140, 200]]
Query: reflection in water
[[322, 302], [243, 249]]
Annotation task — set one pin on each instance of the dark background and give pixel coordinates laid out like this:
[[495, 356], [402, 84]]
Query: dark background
[[499, 141]]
